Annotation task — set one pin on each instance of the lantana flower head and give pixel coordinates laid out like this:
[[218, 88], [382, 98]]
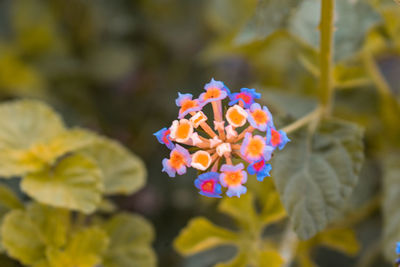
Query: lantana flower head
[[243, 130]]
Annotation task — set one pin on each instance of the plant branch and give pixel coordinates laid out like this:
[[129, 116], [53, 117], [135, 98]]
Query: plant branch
[[376, 74], [326, 54], [302, 121], [288, 245]]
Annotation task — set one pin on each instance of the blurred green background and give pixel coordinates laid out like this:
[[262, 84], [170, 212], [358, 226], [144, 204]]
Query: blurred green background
[[116, 67]]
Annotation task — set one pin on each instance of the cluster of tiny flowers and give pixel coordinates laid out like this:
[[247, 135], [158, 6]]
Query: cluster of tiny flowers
[[248, 134], [398, 254]]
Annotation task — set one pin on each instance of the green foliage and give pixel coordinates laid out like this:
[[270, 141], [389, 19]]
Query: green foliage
[[130, 242], [315, 174], [67, 170], [118, 167], [74, 183], [253, 250], [340, 239], [391, 213]]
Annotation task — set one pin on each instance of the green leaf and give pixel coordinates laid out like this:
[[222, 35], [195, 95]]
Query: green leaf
[[51, 223], [266, 20], [130, 242], [20, 238], [226, 16], [84, 249], [241, 209], [8, 200], [26, 233], [391, 207], [270, 258], [27, 122], [240, 260], [315, 175], [272, 208], [25, 125], [123, 172], [74, 183], [341, 239], [354, 19], [201, 234]]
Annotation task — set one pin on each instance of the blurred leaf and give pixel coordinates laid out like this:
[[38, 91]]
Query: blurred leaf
[[350, 75], [270, 259], [290, 104], [74, 183], [340, 239], [130, 242], [123, 172], [7, 262], [84, 249], [272, 208], [23, 124], [33, 26], [120, 62], [241, 209], [51, 223], [266, 20], [226, 16], [8, 200], [240, 260], [391, 207], [18, 78], [200, 234], [20, 238], [26, 233], [343, 240], [314, 176], [40, 155], [26, 122], [353, 20]]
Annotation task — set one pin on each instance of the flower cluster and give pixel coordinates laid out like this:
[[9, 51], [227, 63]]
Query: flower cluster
[[398, 253], [245, 130]]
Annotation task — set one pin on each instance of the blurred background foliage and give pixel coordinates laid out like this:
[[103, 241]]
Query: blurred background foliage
[[116, 67]]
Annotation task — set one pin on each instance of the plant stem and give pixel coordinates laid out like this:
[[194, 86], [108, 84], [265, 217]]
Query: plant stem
[[288, 245], [376, 74], [326, 54], [302, 121]]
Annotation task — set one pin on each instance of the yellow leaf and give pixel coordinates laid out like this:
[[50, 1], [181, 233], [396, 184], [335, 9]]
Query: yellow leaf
[[74, 183], [200, 235]]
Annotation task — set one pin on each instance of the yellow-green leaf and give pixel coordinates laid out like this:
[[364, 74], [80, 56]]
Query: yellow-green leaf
[[241, 209], [340, 239], [270, 258], [272, 208], [130, 242], [52, 224], [8, 200], [27, 122], [20, 238], [74, 183], [200, 234], [84, 249], [240, 260], [123, 172], [26, 233], [24, 126]]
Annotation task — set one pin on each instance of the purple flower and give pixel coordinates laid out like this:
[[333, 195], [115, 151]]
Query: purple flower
[[208, 184], [246, 96]]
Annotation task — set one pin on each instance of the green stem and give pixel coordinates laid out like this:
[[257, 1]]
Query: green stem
[[326, 54], [302, 121], [376, 74]]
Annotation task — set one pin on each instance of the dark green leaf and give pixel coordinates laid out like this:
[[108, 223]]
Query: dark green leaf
[[315, 175]]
